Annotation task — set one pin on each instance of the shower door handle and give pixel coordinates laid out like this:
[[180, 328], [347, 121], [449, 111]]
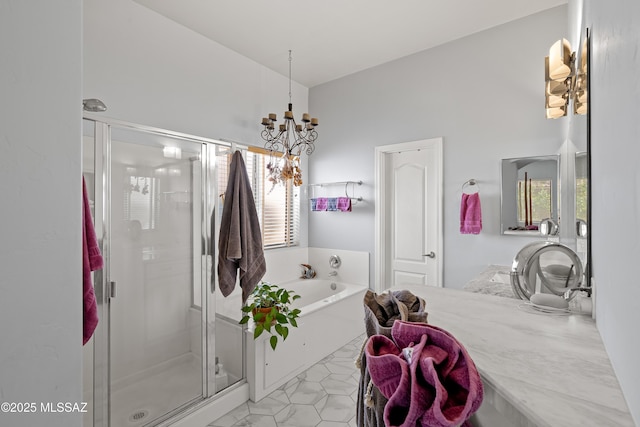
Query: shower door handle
[[112, 290], [430, 254]]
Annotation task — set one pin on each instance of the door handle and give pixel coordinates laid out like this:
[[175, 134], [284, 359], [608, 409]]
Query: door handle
[[430, 254], [112, 289]]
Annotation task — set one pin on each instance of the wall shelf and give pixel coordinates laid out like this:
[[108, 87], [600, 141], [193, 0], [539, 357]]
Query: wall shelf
[[523, 233]]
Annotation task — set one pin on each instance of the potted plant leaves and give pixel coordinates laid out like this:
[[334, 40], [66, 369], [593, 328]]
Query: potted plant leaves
[[269, 306]]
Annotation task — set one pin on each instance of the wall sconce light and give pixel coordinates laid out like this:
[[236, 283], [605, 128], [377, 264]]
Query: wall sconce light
[[563, 82]]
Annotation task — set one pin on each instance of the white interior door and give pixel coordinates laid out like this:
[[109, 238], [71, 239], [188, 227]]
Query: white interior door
[[410, 218]]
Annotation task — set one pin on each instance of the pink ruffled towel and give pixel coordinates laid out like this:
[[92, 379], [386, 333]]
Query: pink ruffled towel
[[344, 204], [426, 374], [91, 261], [321, 204], [470, 214]]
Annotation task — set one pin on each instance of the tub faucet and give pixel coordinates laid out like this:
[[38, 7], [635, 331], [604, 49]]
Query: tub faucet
[[333, 273]]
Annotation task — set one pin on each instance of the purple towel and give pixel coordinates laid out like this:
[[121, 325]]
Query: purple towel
[[427, 375], [321, 204], [91, 261], [344, 204], [470, 214]]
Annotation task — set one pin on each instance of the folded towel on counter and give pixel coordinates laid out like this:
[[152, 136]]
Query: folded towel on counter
[[321, 204], [427, 376], [344, 204], [470, 214]]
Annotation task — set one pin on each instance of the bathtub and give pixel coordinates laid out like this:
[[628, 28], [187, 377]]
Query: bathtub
[[331, 316], [317, 293]]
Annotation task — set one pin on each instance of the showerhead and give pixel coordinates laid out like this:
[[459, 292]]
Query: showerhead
[[93, 105]]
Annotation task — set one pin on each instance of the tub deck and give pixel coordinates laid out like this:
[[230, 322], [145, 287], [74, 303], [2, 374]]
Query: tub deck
[[325, 324]]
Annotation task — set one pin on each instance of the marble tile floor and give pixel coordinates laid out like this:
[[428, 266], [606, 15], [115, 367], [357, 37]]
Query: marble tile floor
[[323, 396]]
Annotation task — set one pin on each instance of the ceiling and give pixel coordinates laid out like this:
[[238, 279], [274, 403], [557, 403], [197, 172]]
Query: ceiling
[[334, 38]]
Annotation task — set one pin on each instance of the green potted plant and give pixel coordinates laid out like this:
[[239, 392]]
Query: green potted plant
[[269, 306]]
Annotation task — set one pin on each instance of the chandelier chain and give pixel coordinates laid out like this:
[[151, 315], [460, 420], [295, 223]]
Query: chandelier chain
[[290, 77]]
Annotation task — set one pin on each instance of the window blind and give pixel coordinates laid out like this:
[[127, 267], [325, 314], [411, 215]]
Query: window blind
[[278, 206]]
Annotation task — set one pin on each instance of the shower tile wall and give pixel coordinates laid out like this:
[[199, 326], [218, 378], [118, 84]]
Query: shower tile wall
[[149, 323]]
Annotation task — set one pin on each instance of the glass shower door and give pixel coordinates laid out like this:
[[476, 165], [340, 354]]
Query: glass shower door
[[155, 278]]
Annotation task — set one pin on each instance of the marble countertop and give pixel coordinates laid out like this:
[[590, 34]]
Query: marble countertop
[[538, 369], [493, 280]]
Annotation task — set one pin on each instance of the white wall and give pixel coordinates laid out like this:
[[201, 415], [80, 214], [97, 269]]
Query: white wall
[[153, 71], [615, 91], [481, 93], [40, 227]]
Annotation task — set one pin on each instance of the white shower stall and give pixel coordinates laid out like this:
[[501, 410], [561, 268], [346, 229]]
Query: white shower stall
[[160, 348]]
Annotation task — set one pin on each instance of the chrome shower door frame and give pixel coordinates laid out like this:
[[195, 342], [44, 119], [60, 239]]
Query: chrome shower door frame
[[101, 341], [206, 180]]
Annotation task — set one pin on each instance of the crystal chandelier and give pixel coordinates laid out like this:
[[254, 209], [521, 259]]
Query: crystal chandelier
[[287, 142]]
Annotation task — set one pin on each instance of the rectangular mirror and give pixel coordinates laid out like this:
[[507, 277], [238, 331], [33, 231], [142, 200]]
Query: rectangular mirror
[[530, 195]]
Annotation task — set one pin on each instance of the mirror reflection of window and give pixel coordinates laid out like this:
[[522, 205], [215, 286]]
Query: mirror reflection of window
[[581, 186], [539, 193], [529, 193], [581, 198]]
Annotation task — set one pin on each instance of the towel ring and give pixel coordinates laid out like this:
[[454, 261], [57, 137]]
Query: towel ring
[[471, 183]]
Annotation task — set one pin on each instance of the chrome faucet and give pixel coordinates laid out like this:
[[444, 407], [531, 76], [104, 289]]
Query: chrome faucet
[[333, 273]]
